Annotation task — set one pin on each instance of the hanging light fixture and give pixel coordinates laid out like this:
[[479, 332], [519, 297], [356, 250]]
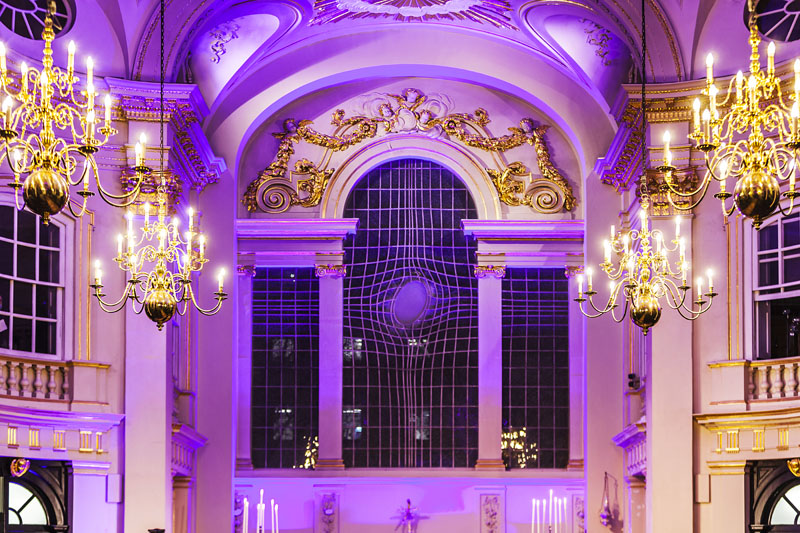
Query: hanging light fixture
[[166, 289], [644, 274], [754, 141], [46, 102]]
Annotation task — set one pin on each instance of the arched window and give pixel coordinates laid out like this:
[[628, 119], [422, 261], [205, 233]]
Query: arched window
[[410, 395], [39, 500], [786, 510], [31, 283], [24, 507]]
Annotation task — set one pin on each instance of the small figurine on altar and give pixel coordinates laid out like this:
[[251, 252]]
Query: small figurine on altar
[[409, 518]]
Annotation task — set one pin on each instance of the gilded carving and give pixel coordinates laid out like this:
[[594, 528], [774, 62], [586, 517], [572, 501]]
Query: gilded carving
[[328, 513], [662, 201], [490, 513], [411, 111], [19, 466], [572, 271], [331, 271], [599, 37], [222, 35], [493, 271], [148, 192]]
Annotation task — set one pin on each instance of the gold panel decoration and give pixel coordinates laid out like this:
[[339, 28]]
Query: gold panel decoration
[[273, 191]]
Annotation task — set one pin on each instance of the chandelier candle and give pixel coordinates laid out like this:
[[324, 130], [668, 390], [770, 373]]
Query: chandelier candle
[[246, 516], [53, 136], [754, 141]]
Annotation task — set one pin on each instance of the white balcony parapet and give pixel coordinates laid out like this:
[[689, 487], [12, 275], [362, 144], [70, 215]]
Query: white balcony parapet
[[55, 381], [633, 439], [743, 384]]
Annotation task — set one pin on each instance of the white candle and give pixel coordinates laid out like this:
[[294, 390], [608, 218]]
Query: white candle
[[277, 526], [667, 153], [71, 60], [699, 288], [739, 86], [272, 515], [677, 227], [710, 68], [221, 277], [533, 516], [260, 514], [580, 285], [175, 222], [119, 246], [613, 232], [771, 59], [7, 108], [89, 72], [245, 516], [98, 273], [607, 251], [108, 109], [202, 246], [3, 60], [146, 214], [550, 507], [589, 273], [696, 114], [24, 74], [710, 281]]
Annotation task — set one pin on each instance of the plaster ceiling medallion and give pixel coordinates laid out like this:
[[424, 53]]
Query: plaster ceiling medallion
[[777, 19], [494, 12], [26, 17]]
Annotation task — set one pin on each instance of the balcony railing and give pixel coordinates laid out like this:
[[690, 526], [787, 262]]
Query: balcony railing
[[751, 384], [56, 381]]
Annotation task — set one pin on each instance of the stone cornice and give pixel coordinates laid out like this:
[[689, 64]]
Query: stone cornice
[[533, 230], [59, 419], [184, 110], [301, 229]]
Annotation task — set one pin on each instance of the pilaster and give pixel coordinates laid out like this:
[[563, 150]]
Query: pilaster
[[331, 327], [244, 366], [490, 366]]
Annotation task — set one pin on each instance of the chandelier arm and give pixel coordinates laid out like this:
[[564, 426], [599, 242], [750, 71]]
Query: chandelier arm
[[113, 307], [127, 198], [221, 296], [587, 314], [624, 311], [82, 210], [787, 212]]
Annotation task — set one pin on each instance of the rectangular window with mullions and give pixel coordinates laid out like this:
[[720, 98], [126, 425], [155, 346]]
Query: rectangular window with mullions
[[535, 368], [30, 283], [285, 368]]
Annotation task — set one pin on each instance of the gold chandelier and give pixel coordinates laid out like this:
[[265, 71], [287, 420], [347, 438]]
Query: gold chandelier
[[165, 289], [754, 140], [644, 275], [46, 101]]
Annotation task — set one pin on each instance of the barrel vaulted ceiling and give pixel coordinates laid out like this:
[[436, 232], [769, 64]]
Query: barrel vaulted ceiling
[[250, 57]]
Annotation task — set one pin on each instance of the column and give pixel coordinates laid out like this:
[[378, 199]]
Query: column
[[182, 497], [244, 363], [670, 474], [490, 366], [577, 349], [331, 328], [148, 426]]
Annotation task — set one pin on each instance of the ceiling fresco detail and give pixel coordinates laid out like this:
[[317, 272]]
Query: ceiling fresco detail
[[494, 12]]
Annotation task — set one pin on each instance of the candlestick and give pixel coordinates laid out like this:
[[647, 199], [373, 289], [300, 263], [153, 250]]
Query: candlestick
[[90, 126], [589, 279], [245, 516], [696, 114], [7, 109], [613, 232], [277, 525], [108, 110], [221, 277], [710, 68], [550, 507], [98, 273], [739, 86], [71, 61], [707, 124], [771, 59], [89, 72], [260, 514], [699, 288], [119, 246], [751, 87], [712, 99], [3, 61], [272, 515], [202, 246], [723, 174], [580, 285], [607, 251]]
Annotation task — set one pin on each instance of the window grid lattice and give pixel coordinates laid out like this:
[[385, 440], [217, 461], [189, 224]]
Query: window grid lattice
[[30, 282], [285, 367], [535, 368], [410, 381]]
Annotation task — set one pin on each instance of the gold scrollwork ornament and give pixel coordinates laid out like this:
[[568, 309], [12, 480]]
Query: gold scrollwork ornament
[[20, 466]]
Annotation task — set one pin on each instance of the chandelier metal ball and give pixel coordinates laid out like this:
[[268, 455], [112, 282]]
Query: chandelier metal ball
[[159, 306], [646, 312], [45, 193], [757, 196]]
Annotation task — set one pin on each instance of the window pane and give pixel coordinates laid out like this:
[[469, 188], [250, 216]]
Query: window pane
[[783, 317], [791, 231], [26, 229], [45, 337], [6, 258], [25, 506], [7, 221], [26, 262], [791, 269], [23, 298], [22, 334], [768, 238], [5, 294], [49, 235], [767, 273], [5, 329], [46, 301], [48, 266]]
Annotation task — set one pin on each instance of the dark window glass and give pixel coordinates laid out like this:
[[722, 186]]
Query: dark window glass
[[49, 235], [7, 221], [48, 266], [6, 258], [791, 231], [23, 298], [410, 321], [5, 329], [768, 272], [46, 301], [45, 337], [285, 368], [26, 227], [26, 262], [768, 237], [22, 332], [535, 368]]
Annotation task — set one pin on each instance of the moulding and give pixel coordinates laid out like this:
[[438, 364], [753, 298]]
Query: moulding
[[68, 420], [300, 229], [534, 230]]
